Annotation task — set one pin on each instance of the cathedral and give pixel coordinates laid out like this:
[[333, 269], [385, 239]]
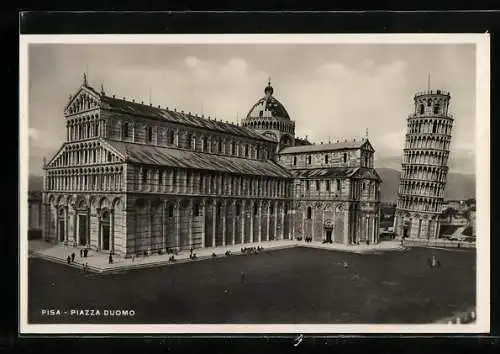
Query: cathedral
[[133, 178]]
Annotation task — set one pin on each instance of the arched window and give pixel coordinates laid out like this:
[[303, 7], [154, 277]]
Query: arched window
[[238, 209], [149, 134], [233, 148], [436, 108], [338, 184], [309, 213], [125, 130], [421, 109], [160, 177], [326, 159], [255, 209], [170, 211], [327, 186], [434, 127], [219, 146], [295, 160], [307, 185], [144, 175], [246, 150], [318, 185], [345, 157], [171, 137], [309, 159], [196, 209], [429, 102], [205, 143], [200, 184]]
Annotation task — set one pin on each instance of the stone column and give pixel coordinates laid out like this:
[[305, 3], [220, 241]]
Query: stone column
[[75, 229], [190, 218], [224, 210], [251, 220], [163, 231], [87, 236], [233, 233], [177, 225], [313, 216], [214, 222], [112, 230], [346, 224], [259, 216], [282, 221], [243, 219], [203, 215], [98, 216], [149, 208], [276, 213], [66, 226], [267, 220]]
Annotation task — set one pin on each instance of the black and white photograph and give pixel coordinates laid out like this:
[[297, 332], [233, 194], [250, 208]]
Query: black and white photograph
[[254, 183]]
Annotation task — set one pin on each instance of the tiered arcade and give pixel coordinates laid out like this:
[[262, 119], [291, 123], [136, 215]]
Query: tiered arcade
[[424, 166]]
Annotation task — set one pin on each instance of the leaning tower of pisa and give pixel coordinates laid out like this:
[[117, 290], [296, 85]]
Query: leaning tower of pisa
[[424, 166]]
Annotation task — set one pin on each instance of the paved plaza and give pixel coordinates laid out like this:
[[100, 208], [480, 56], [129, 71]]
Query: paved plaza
[[99, 262], [292, 285]]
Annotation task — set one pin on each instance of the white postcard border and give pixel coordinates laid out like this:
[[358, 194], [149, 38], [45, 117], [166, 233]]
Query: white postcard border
[[482, 42]]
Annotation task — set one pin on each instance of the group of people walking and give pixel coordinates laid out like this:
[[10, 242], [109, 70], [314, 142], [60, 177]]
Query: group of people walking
[[83, 254], [251, 250]]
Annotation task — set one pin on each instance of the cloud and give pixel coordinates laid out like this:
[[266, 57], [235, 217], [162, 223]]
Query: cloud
[[41, 139], [329, 93]]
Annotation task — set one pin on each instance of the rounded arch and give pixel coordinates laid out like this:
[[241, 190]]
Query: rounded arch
[[104, 203], [117, 203]]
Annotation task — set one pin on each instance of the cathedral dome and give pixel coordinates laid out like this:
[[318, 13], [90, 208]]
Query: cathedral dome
[[268, 106]]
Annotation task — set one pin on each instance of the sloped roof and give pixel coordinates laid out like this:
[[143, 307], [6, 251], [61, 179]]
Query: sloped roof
[[325, 147], [337, 172], [139, 109], [164, 156]]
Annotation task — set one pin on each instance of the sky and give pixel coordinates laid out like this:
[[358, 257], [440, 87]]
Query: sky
[[331, 91]]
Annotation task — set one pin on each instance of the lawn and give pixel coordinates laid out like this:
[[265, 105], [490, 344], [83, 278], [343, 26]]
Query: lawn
[[299, 285]]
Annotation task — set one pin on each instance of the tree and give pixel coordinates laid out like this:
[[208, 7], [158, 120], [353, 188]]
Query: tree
[[449, 213]]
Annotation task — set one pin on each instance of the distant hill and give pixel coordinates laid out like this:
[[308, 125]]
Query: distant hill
[[459, 186]]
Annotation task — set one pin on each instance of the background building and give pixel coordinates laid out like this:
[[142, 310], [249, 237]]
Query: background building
[[424, 166], [133, 178]]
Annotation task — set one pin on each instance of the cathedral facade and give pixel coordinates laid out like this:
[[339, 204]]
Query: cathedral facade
[[133, 178]]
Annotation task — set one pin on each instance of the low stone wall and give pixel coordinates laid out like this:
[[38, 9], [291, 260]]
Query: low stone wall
[[439, 243]]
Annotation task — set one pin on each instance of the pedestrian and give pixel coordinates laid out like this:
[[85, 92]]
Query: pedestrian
[[85, 252], [81, 253], [191, 250], [68, 259], [73, 257], [133, 258], [110, 258], [86, 266]]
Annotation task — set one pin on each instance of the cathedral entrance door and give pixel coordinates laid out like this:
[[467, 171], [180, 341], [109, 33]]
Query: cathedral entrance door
[[82, 229], [61, 230], [328, 235], [105, 237]]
